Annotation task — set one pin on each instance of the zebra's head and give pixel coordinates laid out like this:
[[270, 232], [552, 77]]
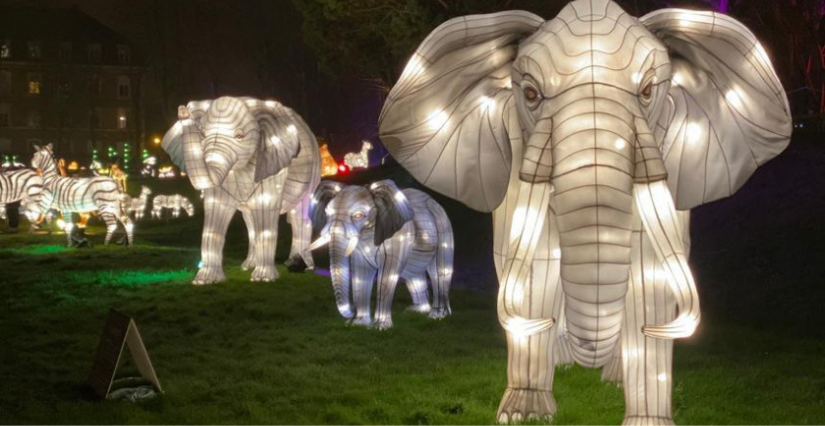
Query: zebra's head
[[681, 95], [43, 158], [213, 138]]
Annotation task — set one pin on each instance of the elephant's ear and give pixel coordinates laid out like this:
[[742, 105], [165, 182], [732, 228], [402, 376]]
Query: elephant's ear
[[444, 119], [392, 207], [172, 141], [324, 193], [280, 141], [726, 112]]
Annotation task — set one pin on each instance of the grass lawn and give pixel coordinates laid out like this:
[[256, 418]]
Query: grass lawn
[[241, 352]]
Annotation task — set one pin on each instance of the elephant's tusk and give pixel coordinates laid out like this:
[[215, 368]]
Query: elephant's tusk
[[517, 269], [662, 225], [353, 242], [320, 242]]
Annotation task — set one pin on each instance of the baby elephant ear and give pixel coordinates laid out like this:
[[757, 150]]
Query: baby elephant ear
[[726, 112], [392, 207], [324, 193], [445, 121]]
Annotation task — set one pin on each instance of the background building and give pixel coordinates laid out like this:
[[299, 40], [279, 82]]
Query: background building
[[67, 79]]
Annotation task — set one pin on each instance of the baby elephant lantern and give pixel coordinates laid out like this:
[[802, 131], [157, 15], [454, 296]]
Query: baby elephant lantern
[[394, 234], [584, 135], [258, 157]]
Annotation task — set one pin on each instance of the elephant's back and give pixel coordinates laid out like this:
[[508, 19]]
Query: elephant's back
[[304, 173]]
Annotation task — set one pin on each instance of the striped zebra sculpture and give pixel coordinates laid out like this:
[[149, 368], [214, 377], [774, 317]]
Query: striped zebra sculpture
[[590, 137], [81, 195], [380, 230], [255, 156], [174, 203], [26, 186]]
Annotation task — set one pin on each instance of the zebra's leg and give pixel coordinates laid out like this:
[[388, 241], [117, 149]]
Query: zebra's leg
[[265, 206], [418, 291], [217, 215], [68, 226], [249, 263], [301, 232], [129, 226], [111, 224]]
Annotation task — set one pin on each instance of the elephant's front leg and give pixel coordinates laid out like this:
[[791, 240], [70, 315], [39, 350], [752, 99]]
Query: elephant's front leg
[[392, 256], [646, 361], [265, 207], [219, 207], [363, 275], [301, 224], [528, 294], [249, 262]]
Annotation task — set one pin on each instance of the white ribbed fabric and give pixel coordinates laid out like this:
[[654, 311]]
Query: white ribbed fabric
[[250, 155], [82, 195], [583, 135], [381, 234]]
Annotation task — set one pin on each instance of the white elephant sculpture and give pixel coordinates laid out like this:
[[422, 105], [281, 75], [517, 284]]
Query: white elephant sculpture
[[255, 156], [385, 232], [589, 137]]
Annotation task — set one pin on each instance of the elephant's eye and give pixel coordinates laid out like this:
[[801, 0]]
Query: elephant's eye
[[648, 90], [358, 215], [238, 133], [531, 94]]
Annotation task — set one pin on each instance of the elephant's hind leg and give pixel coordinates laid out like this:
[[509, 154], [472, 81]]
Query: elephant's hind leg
[[418, 291], [301, 224]]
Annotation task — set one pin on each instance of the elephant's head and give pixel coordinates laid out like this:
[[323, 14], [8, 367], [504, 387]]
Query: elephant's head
[[355, 220], [587, 105], [686, 95], [215, 138]]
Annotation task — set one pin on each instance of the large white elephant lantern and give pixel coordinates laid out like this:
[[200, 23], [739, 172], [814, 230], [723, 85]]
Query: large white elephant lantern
[[255, 156], [589, 137]]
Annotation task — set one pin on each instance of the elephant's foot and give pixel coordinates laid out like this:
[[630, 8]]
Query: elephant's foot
[[647, 420], [209, 275], [361, 321], [518, 405], [383, 324], [423, 308], [248, 264], [265, 273], [440, 313]]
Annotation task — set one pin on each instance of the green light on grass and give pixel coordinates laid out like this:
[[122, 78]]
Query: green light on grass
[[132, 278], [39, 249]]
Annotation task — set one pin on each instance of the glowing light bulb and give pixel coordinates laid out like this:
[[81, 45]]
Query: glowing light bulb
[[274, 140], [693, 132], [557, 252], [265, 197], [269, 104], [662, 377], [415, 66], [620, 143], [399, 196], [637, 77], [437, 119], [292, 129], [677, 79], [488, 103], [734, 98]]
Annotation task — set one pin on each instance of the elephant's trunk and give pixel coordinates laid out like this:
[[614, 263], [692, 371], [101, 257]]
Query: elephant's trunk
[[593, 192], [340, 270]]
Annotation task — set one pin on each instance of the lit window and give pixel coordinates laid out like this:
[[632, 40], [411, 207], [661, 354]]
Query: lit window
[[94, 53], [35, 50], [5, 49], [123, 54], [122, 120], [66, 51], [124, 87], [35, 83]]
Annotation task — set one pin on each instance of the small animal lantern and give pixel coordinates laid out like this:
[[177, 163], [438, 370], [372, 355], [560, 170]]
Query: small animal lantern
[[329, 167], [361, 159]]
